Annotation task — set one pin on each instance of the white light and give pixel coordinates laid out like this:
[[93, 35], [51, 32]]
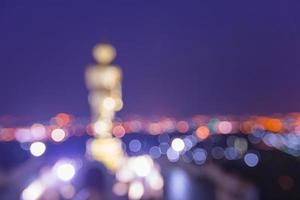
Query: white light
[[141, 165], [136, 190], [33, 191], [102, 127], [58, 135], [37, 149], [251, 159], [109, 103], [178, 144], [65, 171], [125, 174]]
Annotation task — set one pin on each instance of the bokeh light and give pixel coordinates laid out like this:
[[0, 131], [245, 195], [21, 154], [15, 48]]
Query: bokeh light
[[136, 190], [33, 191], [199, 156], [155, 180], [58, 135], [135, 145], [155, 152], [217, 152], [120, 189], [172, 155], [286, 182], [164, 147], [141, 165], [119, 131], [178, 144], [38, 131], [182, 126], [37, 149], [202, 132], [64, 170], [251, 159], [225, 127], [67, 191]]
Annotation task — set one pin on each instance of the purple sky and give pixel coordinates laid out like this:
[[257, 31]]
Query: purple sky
[[178, 59]]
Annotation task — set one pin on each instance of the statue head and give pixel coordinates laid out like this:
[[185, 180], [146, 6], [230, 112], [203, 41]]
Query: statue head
[[104, 53]]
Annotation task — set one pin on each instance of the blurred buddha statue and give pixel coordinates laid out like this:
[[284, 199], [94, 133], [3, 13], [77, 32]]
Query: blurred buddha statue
[[104, 82]]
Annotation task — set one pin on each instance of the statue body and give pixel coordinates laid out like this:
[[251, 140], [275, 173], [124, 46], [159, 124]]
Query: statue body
[[105, 98]]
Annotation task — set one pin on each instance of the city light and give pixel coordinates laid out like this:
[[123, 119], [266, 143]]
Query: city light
[[141, 165], [38, 131], [135, 145], [58, 135], [136, 190], [202, 132], [37, 149], [120, 189], [33, 191], [178, 144], [251, 159], [64, 170], [172, 155], [225, 127], [155, 180], [155, 152], [199, 156]]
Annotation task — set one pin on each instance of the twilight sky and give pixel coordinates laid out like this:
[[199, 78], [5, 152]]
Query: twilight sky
[[178, 58]]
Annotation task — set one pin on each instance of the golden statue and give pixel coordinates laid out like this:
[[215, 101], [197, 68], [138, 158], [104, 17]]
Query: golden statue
[[104, 82]]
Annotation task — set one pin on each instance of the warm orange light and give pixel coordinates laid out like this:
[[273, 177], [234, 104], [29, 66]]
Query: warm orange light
[[274, 125], [62, 119], [202, 132], [270, 124]]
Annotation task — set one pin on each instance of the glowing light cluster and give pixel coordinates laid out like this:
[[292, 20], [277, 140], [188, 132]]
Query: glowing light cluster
[[138, 176], [203, 126], [280, 132], [54, 179], [107, 150]]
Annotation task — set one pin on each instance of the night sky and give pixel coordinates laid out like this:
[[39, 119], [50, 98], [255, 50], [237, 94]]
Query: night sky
[[178, 58]]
